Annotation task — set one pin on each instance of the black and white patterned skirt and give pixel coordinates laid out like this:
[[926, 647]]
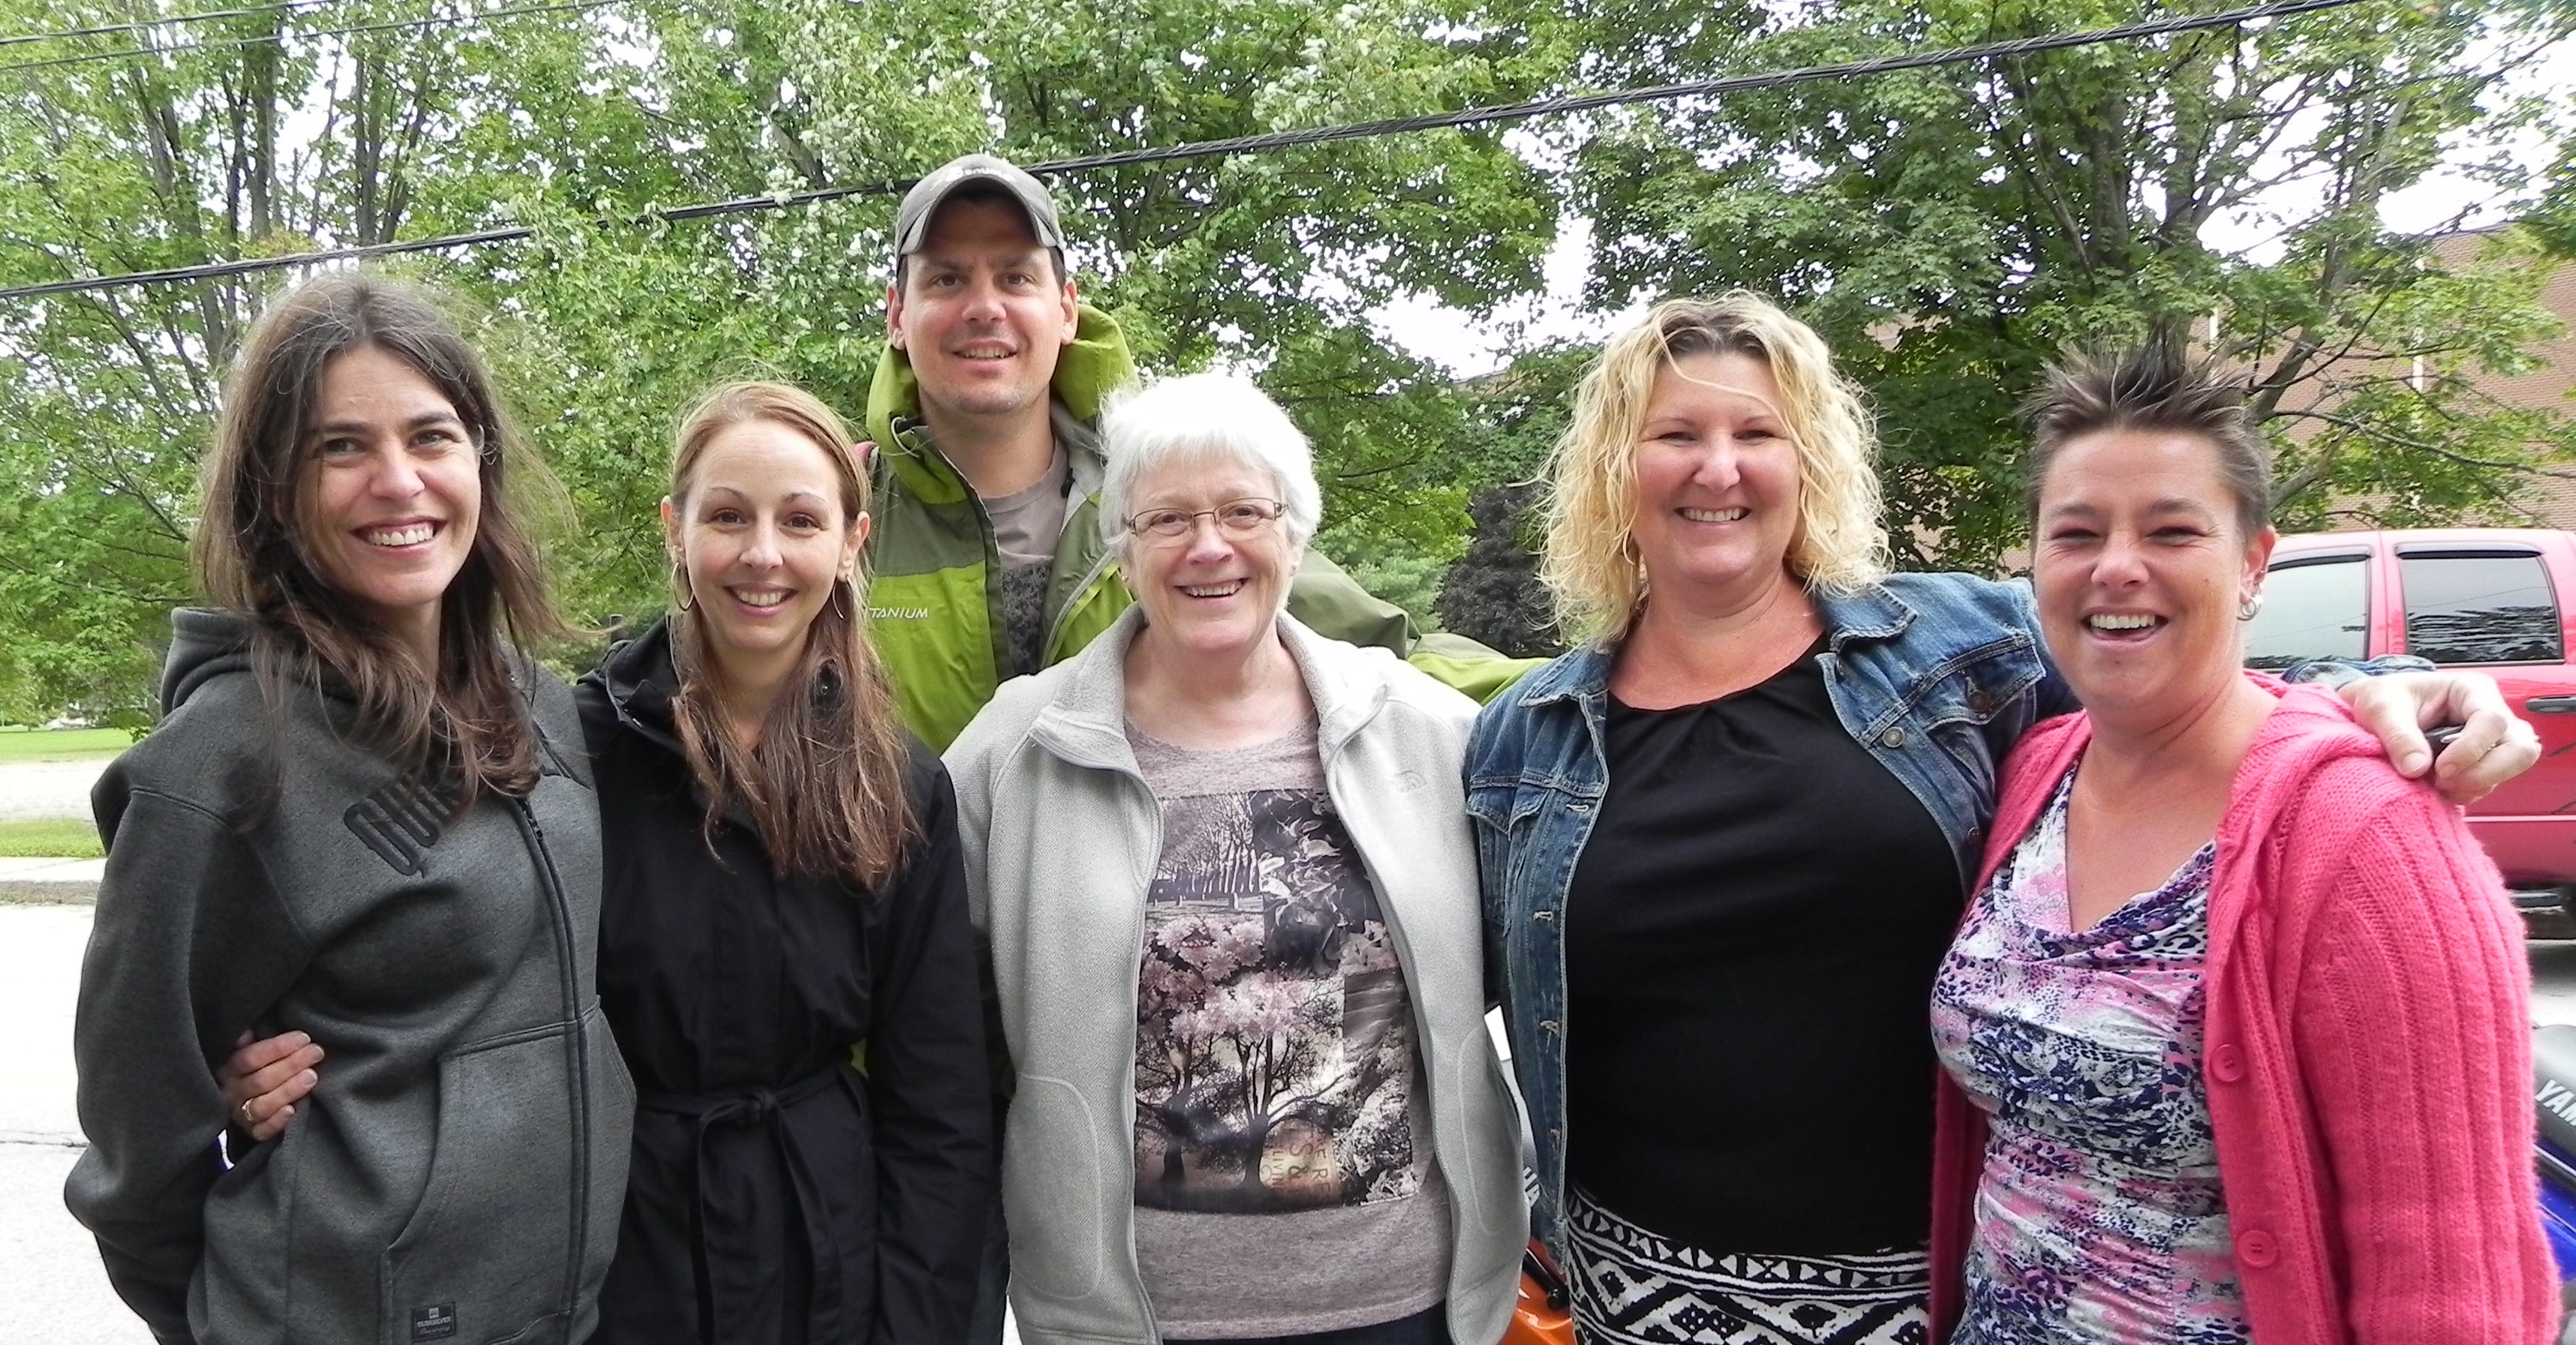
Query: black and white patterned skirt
[[1636, 1287]]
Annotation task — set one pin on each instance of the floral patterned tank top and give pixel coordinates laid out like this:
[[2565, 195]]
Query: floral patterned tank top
[[2099, 1216]]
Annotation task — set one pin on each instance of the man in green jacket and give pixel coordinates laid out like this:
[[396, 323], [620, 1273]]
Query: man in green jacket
[[987, 560]]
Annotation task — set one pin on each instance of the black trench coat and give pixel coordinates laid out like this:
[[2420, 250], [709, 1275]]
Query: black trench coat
[[778, 1194]]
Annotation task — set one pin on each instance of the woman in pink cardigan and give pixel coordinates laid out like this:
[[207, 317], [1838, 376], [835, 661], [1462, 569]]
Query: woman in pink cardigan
[[2235, 1027]]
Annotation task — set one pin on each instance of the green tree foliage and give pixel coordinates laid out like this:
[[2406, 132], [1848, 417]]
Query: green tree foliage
[[1950, 229], [1493, 593], [1946, 229], [221, 142], [224, 145]]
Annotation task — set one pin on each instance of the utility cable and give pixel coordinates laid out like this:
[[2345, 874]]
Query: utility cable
[[1249, 144], [388, 26], [144, 25]]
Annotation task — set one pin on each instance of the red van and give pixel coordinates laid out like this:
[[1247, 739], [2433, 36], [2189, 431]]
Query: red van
[[2494, 599]]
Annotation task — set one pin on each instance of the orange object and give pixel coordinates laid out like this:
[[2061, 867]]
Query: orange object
[[1543, 1316]]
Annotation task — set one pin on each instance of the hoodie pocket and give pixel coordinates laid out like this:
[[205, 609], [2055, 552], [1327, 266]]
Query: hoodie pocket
[[1489, 1170], [1055, 1196], [488, 1255], [612, 1141]]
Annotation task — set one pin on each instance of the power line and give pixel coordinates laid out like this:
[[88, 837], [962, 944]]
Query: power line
[[141, 25], [388, 26], [1249, 144]]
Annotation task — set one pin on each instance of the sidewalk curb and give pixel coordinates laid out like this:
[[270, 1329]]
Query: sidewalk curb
[[48, 894]]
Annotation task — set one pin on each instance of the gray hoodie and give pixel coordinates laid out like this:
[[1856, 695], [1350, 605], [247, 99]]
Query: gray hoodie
[[460, 1179]]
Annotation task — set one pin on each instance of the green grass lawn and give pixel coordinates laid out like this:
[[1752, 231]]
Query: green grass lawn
[[68, 838], [62, 744]]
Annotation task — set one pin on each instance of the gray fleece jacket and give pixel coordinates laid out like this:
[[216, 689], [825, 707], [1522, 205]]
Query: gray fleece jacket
[[1062, 835], [460, 1179]]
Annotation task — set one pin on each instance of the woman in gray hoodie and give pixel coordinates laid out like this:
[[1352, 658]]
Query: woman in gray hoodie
[[366, 814]]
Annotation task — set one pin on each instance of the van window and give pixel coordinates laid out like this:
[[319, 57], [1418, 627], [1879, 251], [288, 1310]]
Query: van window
[[2470, 608], [2311, 609]]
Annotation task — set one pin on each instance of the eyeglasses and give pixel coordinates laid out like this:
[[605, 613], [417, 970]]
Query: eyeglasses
[[1236, 518]]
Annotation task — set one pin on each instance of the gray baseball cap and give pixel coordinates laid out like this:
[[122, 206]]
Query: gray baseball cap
[[912, 218]]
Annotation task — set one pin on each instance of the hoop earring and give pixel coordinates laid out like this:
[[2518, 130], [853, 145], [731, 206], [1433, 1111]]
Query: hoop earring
[[2251, 606], [842, 604], [681, 593]]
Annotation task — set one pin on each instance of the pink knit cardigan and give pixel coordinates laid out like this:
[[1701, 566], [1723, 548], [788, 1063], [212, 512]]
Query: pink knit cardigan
[[2367, 1052]]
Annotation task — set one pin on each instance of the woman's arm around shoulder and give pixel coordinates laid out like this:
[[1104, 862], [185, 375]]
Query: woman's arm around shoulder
[[928, 1084], [2414, 1040]]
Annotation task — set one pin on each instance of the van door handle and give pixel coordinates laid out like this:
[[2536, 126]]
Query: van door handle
[[2551, 705]]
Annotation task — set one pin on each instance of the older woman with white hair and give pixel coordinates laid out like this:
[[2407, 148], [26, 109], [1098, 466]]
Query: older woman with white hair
[[1225, 869]]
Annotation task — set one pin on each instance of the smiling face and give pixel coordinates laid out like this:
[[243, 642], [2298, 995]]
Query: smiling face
[[393, 488], [1717, 482], [980, 312], [763, 535], [2140, 567], [1211, 590]]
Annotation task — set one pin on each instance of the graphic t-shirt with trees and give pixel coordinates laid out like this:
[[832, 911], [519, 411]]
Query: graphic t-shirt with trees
[[1285, 1180], [1274, 1039]]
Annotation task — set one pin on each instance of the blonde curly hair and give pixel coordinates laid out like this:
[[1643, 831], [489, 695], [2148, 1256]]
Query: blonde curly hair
[[1590, 563]]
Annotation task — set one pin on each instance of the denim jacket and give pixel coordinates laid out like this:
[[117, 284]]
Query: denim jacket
[[1937, 675]]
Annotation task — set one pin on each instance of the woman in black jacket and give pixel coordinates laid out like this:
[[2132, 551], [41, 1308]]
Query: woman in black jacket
[[781, 882]]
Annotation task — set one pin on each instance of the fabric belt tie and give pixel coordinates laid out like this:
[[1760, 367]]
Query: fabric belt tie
[[728, 1299]]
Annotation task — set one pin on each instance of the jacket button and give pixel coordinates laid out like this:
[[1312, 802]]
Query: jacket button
[[1893, 737], [2226, 1063], [1547, 1025], [2257, 1248], [1979, 702]]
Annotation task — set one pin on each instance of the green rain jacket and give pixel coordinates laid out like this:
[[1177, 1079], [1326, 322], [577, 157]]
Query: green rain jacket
[[934, 580]]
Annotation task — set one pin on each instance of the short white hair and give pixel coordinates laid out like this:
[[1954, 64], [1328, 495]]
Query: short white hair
[[1200, 417]]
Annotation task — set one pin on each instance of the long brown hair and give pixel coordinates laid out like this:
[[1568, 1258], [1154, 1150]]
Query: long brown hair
[[825, 787], [464, 720]]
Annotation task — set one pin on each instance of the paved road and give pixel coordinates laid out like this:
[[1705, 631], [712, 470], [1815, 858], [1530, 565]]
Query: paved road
[[47, 788], [57, 1293]]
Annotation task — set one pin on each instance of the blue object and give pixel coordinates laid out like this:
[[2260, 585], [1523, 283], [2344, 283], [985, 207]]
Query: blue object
[[2558, 1209]]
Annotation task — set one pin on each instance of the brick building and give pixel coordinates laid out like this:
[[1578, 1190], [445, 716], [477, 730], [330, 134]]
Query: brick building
[[2544, 500]]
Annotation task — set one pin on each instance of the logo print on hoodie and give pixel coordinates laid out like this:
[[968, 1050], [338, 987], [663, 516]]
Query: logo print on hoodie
[[435, 1322], [399, 821]]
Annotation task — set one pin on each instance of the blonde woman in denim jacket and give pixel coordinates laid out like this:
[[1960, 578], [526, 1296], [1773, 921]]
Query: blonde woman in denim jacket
[[1733, 827]]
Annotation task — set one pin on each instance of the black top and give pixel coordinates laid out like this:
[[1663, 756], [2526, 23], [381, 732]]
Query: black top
[[1751, 935], [833, 1206]]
